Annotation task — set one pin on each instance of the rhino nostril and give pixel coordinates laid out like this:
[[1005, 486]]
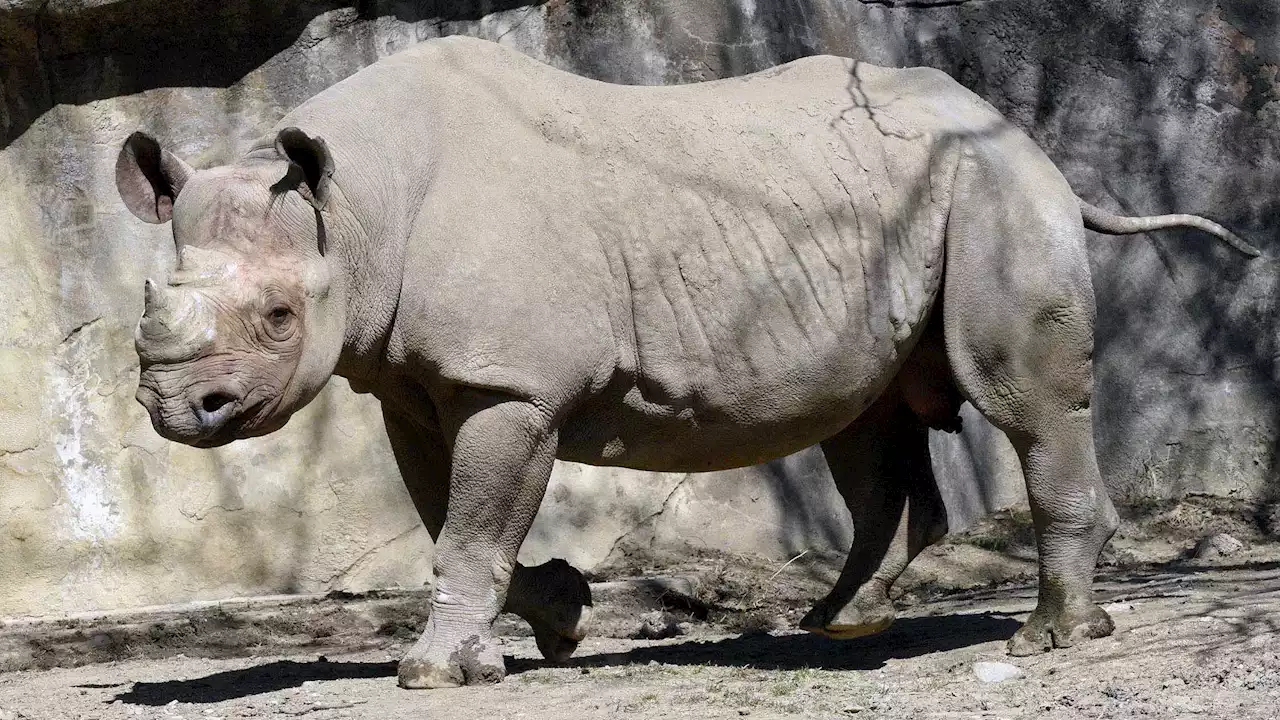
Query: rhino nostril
[[213, 410], [213, 402]]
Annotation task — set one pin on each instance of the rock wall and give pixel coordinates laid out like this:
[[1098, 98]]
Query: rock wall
[[1147, 107]]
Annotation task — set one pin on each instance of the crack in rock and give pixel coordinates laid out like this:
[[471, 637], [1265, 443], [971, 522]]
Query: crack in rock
[[647, 519], [77, 329], [8, 452], [918, 4], [200, 515], [341, 574]]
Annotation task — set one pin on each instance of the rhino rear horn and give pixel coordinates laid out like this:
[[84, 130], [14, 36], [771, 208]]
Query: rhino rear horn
[[310, 165], [149, 178]]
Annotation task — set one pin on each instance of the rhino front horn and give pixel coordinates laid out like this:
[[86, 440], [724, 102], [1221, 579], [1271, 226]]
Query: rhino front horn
[[153, 299]]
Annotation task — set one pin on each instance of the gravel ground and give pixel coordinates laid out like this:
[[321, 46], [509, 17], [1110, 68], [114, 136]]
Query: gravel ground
[[1189, 644], [1196, 638]]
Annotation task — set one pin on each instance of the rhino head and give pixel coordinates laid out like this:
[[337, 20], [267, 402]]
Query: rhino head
[[249, 327]]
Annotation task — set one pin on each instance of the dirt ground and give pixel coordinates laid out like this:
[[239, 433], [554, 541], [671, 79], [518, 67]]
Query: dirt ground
[[1195, 638]]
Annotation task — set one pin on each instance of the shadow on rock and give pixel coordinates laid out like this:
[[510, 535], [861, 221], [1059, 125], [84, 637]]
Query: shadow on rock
[[76, 53], [255, 680], [908, 637]]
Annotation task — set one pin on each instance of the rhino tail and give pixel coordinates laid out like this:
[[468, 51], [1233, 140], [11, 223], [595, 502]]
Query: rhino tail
[[1099, 220]]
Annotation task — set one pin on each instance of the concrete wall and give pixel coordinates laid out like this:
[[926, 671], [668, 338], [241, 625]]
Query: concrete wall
[[1147, 107]]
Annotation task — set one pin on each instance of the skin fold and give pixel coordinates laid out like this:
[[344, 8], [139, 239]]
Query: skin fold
[[524, 265]]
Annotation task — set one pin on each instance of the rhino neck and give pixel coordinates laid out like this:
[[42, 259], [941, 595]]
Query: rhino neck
[[366, 226], [381, 172]]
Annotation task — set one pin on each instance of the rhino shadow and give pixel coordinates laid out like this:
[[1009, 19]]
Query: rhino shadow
[[255, 680], [907, 638]]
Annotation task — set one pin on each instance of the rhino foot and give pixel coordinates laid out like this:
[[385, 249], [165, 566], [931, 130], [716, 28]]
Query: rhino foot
[[1045, 631], [555, 599], [867, 613], [555, 647], [476, 662]]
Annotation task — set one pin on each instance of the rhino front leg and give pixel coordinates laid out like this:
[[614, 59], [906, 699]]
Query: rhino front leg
[[503, 452], [881, 466], [554, 598]]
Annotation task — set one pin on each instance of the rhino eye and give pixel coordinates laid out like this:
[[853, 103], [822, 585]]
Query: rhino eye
[[279, 315], [280, 322]]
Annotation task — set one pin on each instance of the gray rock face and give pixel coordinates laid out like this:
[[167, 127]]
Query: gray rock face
[[1147, 107]]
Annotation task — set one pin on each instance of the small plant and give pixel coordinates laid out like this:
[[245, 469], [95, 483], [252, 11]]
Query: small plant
[[640, 703]]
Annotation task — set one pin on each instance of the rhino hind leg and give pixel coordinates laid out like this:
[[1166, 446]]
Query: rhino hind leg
[[881, 466], [554, 598], [1019, 322]]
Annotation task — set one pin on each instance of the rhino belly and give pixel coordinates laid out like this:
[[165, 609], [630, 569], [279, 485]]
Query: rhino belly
[[740, 420], [741, 355]]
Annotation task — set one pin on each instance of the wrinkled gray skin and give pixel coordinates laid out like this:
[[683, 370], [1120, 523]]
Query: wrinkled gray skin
[[523, 265]]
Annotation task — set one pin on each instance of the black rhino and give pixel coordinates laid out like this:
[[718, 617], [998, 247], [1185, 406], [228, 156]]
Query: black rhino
[[525, 265]]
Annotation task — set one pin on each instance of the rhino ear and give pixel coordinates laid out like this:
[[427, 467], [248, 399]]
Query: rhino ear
[[310, 165], [149, 178]]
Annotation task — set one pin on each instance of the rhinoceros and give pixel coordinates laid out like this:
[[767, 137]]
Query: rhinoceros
[[524, 265]]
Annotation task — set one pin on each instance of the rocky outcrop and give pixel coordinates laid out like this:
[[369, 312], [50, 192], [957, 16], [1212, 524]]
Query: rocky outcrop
[[1147, 107]]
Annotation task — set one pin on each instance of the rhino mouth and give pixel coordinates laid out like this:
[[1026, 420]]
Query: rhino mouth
[[231, 431], [249, 421]]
